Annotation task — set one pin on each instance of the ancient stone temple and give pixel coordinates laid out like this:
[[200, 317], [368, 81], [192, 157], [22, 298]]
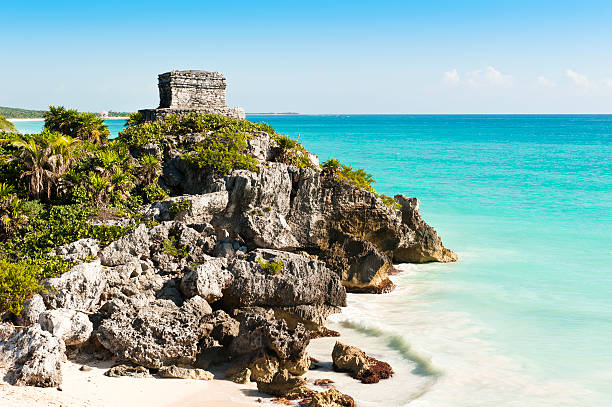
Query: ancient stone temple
[[184, 92]]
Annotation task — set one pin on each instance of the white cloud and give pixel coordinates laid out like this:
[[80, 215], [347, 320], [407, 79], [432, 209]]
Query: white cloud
[[494, 77], [489, 76], [608, 83], [451, 77], [545, 82], [578, 79]]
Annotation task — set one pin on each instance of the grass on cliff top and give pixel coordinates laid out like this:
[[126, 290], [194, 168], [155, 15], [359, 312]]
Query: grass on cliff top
[[358, 177], [224, 148]]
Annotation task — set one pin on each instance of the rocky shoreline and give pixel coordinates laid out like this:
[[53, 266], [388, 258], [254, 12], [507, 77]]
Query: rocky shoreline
[[196, 287], [237, 268]]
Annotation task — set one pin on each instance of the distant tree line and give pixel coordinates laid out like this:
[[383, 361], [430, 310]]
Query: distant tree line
[[17, 113]]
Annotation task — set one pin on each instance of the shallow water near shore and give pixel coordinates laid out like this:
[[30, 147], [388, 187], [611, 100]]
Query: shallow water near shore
[[525, 317]]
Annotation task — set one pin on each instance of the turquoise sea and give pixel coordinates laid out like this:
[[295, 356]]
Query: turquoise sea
[[525, 317]]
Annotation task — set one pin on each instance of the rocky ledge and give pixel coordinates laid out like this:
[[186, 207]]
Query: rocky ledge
[[242, 268]]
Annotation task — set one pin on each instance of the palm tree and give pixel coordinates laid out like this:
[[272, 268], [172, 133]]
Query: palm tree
[[45, 157], [85, 126]]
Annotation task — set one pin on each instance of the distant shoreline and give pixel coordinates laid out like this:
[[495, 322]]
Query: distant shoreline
[[39, 119]]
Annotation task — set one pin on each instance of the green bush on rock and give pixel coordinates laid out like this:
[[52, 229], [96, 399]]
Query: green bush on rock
[[272, 266], [18, 281]]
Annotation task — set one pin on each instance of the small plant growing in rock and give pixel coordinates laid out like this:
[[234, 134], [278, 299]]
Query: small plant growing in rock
[[172, 248], [178, 207], [390, 202], [272, 266]]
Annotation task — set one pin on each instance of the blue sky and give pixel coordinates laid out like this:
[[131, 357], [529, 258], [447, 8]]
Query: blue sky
[[316, 56]]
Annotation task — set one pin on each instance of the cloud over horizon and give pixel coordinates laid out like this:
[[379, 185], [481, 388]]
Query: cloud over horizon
[[578, 79]]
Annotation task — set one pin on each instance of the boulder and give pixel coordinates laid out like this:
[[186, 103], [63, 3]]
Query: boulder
[[331, 398], [283, 384], [263, 367], [176, 372], [242, 376], [156, 334], [30, 356], [363, 367], [79, 250], [78, 289], [208, 280], [271, 336], [73, 327], [301, 281], [128, 370], [32, 308]]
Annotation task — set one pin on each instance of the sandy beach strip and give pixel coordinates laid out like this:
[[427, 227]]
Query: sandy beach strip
[[26, 120], [42, 119], [93, 389]]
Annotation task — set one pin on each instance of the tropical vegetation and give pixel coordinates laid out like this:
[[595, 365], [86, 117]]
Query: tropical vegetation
[[56, 184]]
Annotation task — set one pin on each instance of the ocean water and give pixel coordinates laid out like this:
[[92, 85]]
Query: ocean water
[[36, 126], [524, 318]]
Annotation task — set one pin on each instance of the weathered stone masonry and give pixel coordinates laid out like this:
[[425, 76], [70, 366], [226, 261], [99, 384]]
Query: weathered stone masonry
[[184, 92]]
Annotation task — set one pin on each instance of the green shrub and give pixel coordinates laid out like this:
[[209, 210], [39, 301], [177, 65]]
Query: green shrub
[[359, 177], [18, 282], [179, 206], [272, 266], [54, 227], [291, 151], [222, 153], [153, 193], [331, 166]]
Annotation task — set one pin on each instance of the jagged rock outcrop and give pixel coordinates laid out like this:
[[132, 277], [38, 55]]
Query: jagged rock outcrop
[[265, 345], [31, 356], [293, 209], [301, 281], [429, 246], [78, 289]]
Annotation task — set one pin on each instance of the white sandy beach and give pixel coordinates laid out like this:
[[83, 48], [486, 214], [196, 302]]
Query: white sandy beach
[[42, 119], [26, 120], [93, 389]]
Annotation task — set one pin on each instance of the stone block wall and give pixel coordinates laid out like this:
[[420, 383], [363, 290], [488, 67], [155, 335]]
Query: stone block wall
[[184, 92], [191, 90]]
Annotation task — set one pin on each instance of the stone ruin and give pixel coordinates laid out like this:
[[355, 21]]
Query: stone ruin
[[184, 92]]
